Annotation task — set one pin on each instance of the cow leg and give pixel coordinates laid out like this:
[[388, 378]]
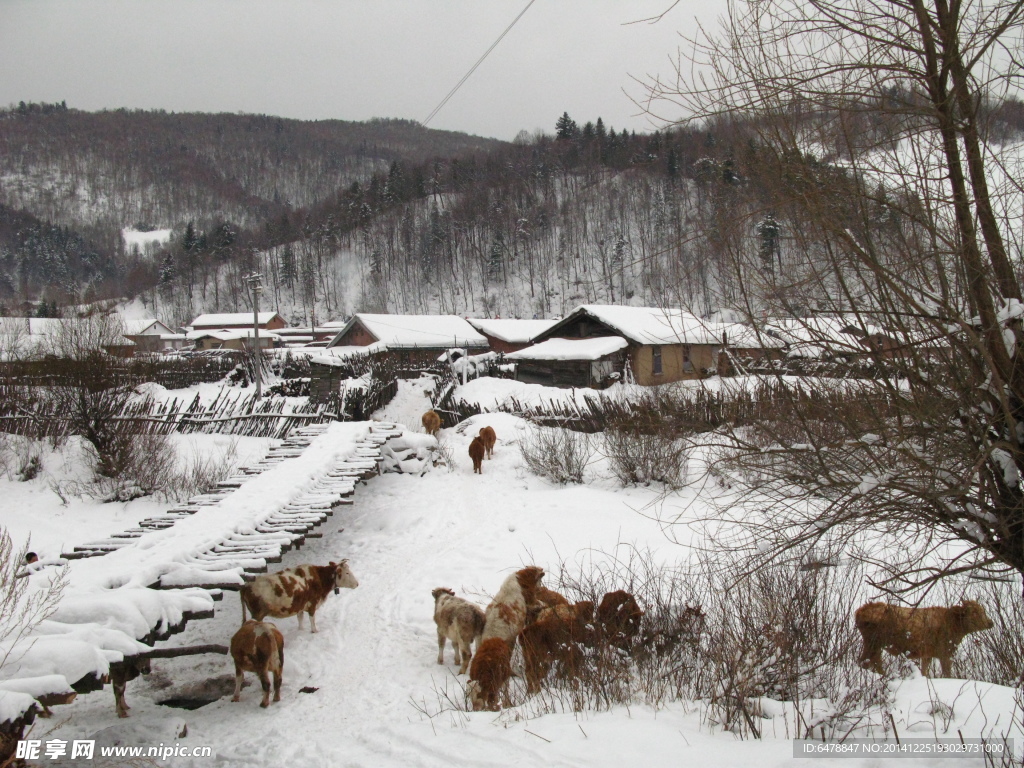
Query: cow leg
[[238, 683], [312, 618], [119, 702], [277, 684], [265, 683], [466, 655], [947, 666], [441, 638], [926, 666], [302, 620]]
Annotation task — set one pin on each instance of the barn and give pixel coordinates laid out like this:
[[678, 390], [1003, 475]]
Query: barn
[[509, 335]]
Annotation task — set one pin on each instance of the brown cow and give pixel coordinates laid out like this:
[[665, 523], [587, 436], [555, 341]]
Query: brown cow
[[546, 598], [921, 633], [490, 670], [556, 636], [431, 423], [506, 615], [457, 620], [476, 453], [618, 619], [490, 438], [295, 590], [121, 673], [258, 647]]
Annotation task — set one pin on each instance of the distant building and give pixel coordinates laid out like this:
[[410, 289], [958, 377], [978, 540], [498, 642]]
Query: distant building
[[269, 321], [411, 340], [150, 335], [237, 339]]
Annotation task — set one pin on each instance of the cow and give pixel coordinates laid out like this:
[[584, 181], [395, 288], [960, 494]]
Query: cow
[[922, 633], [556, 636], [295, 590], [506, 615], [618, 619], [490, 670], [258, 646], [545, 598], [476, 453], [457, 620], [489, 438], [431, 422], [121, 673]]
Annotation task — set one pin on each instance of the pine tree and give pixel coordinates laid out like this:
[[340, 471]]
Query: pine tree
[[768, 242], [496, 259], [565, 127]]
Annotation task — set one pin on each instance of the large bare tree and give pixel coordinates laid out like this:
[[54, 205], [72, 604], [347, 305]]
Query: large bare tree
[[891, 210]]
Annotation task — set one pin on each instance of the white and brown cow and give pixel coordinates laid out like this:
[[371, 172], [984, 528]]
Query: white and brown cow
[[295, 590], [258, 647]]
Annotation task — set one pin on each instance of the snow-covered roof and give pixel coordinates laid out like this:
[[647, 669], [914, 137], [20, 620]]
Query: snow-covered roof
[[231, 318], [744, 337], [571, 349], [402, 331], [814, 337], [143, 326], [510, 330], [649, 325]]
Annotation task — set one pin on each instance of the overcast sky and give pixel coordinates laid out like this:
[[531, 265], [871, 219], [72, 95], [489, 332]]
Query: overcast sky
[[345, 59]]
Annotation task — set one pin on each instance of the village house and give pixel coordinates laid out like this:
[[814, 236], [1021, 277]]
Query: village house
[[150, 335], [267, 321], [238, 339], [657, 346], [413, 341], [509, 335]]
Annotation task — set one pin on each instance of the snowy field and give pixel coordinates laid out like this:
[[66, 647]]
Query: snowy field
[[373, 661]]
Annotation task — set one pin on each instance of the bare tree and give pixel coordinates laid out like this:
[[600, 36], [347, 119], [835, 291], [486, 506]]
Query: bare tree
[[871, 117]]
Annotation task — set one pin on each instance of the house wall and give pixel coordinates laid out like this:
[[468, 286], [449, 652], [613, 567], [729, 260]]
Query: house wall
[[673, 366]]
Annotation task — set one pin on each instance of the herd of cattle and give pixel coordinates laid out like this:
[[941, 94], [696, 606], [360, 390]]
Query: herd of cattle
[[550, 631], [482, 445]]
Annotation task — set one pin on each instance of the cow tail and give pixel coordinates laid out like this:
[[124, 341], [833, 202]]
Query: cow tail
[[241, 594]]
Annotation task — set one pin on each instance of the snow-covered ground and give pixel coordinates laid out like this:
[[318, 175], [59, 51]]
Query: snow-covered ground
[[373, 661]]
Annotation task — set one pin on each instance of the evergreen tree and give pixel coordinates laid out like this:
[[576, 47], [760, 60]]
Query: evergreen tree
[[496, 259], [768, 242], [565, 127]]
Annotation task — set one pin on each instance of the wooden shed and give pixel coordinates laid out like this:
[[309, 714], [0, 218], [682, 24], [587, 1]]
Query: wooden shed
[[509, 335], [595, 363]]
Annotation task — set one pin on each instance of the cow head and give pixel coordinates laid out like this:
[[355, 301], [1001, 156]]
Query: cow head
[[971, 616], [442, 591], [478, 699], [343, 577], [529, 579]]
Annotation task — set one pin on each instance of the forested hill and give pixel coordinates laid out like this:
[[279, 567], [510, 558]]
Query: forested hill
[[95, 173]]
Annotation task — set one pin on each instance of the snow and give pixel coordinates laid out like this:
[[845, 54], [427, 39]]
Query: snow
[[337, 356], [511, 330], [13, 704], [37, 686], [145, 241], [397, 331], [571, 349]]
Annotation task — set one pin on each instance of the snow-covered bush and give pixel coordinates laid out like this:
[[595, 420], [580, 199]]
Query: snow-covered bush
[[560, 455]]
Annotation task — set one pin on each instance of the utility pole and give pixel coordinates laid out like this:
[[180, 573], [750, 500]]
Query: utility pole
[[255, 283]]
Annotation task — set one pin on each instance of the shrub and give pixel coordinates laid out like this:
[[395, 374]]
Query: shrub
[[558, 454], [643, 454]]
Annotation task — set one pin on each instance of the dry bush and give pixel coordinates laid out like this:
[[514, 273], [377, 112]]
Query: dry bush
[[642, 454], [995, 655], [558, 454]]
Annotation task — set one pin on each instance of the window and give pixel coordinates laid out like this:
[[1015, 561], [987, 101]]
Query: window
[[687, 365], [656, 360]]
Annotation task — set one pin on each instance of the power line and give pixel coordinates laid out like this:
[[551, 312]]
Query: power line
[[479, 61]]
